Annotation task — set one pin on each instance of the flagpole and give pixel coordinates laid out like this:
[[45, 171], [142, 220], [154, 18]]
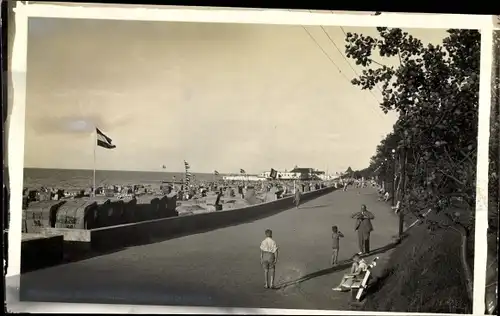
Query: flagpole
[[95, 147]]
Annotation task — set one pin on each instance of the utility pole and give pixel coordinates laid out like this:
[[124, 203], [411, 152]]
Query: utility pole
[[393, 177], [403, 189], [496, 106]]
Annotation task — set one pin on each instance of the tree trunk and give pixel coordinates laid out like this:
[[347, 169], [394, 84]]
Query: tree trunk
[[494, 193]]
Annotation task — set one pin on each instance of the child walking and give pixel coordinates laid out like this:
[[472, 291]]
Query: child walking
[[336, 235]]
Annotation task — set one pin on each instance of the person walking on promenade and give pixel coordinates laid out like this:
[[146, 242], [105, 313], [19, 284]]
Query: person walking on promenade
[[296, 198], [364, 227], [336, 235], [269, 258]]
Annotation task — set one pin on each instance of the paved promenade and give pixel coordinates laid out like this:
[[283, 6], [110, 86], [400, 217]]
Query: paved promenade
[[221, 267]]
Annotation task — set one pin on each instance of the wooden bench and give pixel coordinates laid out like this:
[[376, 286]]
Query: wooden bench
[[361, 283]]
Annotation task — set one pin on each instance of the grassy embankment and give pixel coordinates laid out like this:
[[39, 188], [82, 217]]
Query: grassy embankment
[[423, 274]]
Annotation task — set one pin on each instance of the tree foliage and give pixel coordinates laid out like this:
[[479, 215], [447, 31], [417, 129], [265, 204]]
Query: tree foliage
[[494, 184], [434, 89], [494, 157]]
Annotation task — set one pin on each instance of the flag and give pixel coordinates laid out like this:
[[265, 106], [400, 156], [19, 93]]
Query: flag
[[103, 140], [242, 171], [273, 174], [216, 172], [188, 174]]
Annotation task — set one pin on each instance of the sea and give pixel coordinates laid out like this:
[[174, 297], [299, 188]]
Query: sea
[[77, 179]]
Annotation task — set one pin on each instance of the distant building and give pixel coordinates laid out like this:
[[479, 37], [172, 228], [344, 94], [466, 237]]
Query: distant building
[[297, 174], [282, 175], [239, 177], [308, 173]]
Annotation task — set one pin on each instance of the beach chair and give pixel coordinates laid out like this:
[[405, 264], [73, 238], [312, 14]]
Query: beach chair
[[145, 208], [160, 206], [77, 214], [40, 214], [361, 284], [171, 206], [109, 212]]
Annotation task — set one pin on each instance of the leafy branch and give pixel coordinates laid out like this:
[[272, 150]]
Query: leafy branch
[[435, 90]]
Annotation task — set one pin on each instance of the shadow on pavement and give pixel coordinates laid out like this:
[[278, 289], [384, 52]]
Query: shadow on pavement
[[313, 206], [341, 266]]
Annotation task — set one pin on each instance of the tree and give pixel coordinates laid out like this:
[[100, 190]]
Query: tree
[[494, 182], [435, 91]]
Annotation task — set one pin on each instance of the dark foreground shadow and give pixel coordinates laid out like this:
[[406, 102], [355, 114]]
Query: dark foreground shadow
[[341, 266]]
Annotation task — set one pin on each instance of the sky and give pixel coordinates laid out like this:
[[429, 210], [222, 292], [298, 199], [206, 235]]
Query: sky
[[220, 96]]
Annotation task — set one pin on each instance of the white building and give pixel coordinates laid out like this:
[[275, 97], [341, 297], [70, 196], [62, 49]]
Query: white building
[[282, 175], [243, 178]]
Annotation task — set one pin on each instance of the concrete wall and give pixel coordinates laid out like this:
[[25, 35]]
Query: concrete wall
[[118, 236], [38, 251]]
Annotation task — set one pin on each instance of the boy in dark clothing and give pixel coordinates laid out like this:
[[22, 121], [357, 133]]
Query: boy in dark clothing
[[336, 235]]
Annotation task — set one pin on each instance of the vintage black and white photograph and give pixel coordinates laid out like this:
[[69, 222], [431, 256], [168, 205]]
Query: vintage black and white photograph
[[250, 165]]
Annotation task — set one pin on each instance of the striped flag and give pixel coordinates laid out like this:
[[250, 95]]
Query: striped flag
[[103, 140], [242, 171], [188, 174], [216, 172]]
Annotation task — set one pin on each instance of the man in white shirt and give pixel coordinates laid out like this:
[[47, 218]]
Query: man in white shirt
[[268, 258]]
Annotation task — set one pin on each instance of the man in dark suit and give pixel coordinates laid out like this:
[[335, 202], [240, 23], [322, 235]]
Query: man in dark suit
[[364, 227]]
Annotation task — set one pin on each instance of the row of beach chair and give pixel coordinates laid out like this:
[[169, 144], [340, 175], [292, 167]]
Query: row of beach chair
[[97, 212]]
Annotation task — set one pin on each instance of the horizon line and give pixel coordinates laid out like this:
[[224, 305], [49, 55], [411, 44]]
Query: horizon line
[[150, 171]]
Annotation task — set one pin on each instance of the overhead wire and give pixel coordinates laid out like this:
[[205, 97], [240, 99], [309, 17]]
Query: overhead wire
[[323, 50], [335, 64], [325, 53], [348, 63], [377, 109]]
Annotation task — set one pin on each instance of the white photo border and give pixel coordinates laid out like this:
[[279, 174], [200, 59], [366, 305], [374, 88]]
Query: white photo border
[[16, 123]]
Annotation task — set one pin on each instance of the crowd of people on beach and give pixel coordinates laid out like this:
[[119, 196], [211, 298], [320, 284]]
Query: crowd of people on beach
[[55, 194], [193, 190]]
